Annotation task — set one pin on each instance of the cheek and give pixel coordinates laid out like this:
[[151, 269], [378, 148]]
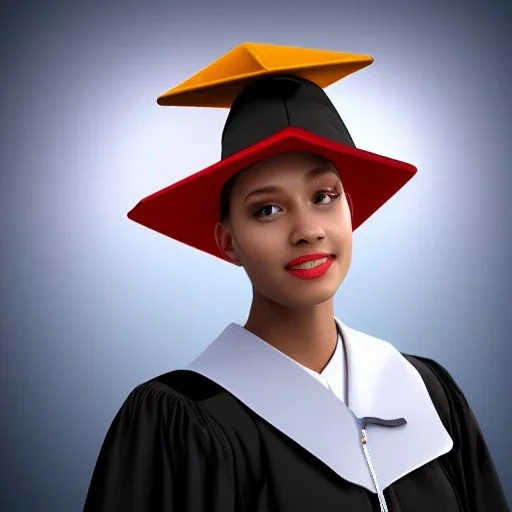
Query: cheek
[[346, 237], [342, 241], [340, 235], [346, 221], [341, 218], [256, 245]]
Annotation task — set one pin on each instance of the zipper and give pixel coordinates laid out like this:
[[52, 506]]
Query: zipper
[[380, 494], [364, 441]]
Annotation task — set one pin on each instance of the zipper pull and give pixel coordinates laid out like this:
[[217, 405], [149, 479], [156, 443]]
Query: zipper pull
[[369, 420]]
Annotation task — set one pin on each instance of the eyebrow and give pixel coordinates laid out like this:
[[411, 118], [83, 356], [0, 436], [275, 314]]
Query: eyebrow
[[311, 175]]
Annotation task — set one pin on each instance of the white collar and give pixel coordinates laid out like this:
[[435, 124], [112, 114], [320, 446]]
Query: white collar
[[382, 384], [333, 374]]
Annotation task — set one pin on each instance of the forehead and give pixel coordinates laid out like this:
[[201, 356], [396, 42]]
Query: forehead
[[282, 166]]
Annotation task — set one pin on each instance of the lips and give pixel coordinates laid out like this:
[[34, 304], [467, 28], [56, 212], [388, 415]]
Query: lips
[[308, 261], [312, 266]]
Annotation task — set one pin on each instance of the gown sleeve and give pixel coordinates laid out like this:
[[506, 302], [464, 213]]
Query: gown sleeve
[[162, 453], [470, 462]]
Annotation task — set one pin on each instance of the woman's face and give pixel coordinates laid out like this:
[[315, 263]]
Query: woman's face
[[284, 208]]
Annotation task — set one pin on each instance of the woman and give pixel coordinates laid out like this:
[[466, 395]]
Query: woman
[[294, 411]]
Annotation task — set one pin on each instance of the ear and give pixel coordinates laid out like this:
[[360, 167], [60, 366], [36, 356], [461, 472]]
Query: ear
[[224, 241]]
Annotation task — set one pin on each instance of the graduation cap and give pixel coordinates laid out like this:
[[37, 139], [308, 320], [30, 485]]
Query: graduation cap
[[277, 104]]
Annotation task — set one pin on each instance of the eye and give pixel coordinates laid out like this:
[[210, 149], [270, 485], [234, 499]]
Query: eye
[[324, 198], [267, 210]]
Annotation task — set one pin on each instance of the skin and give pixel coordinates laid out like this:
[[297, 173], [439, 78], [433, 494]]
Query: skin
[[307, 213]]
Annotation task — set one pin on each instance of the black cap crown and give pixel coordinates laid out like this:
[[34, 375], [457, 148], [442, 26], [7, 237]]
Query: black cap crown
[[274, 103]]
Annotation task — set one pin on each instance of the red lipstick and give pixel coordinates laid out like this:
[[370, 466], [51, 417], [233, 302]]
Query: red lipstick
[[310, 266]]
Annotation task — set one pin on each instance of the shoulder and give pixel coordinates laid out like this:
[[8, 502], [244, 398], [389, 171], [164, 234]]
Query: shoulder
[[172, 437], [469, 462], [431, 372], [176, 392], [183, 399], [436, 377], [197, 415], [166, 415], [448, 398], [162, 403]]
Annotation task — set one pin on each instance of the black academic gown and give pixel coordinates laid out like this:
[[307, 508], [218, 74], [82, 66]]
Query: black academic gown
[[182, 443]]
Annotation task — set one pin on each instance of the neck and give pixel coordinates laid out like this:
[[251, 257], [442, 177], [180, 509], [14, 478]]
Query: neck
[[307, 335]]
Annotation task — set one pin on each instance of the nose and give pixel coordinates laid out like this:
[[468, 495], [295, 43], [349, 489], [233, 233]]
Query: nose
[[306, 230]]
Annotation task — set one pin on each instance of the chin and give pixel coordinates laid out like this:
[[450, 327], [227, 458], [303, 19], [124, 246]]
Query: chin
[[292, 292], [308, 295]]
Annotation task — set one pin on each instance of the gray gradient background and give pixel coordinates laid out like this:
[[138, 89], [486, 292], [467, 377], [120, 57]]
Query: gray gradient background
[[93, 304]]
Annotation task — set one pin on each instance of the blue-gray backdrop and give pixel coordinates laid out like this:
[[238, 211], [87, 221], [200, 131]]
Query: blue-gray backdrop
[[93, 304]]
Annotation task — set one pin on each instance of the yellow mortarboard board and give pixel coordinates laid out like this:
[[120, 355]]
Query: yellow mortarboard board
[[218, 84]]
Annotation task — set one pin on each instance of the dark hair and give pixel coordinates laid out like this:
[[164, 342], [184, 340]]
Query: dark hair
[[225, 197]]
